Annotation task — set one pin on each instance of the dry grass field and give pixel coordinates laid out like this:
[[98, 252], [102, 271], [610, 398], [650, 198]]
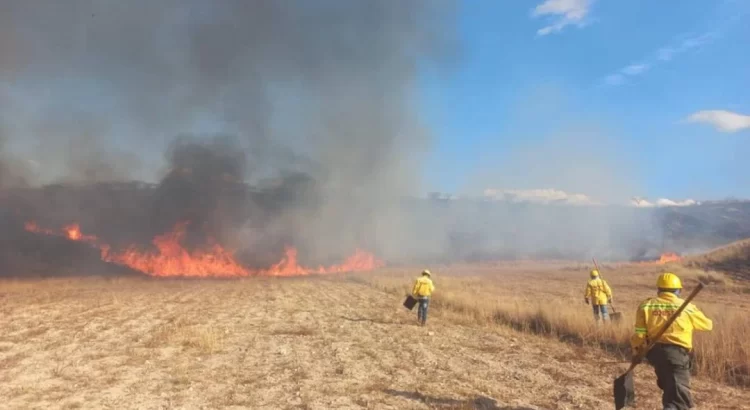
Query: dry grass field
[[548, 299], [338, 342], [733, 258]]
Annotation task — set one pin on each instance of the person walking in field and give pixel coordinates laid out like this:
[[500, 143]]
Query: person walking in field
[[422, 291], [671, 356], [598, 294]]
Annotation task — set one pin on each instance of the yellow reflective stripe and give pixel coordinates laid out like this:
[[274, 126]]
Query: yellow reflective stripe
[[641, 330], [660, 305]]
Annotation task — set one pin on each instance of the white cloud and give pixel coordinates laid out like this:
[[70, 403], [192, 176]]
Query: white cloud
[[724, 121], [544, 196], [551, 196], [698, 41], [556, 196], [619, 77], [635, 69], [564, 12], [669, 202], [614, 79], [668, 53], [663, 55], [661, 202], [641, 203], [729, 14]]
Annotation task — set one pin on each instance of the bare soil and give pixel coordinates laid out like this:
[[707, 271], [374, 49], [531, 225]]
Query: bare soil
[[314, 343]]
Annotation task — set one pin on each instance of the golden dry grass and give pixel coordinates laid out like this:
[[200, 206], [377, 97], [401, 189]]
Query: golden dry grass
[[734, 259], [332, 342], [548, 300]]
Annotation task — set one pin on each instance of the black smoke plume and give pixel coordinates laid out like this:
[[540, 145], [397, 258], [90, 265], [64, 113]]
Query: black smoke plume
[[296, 120]]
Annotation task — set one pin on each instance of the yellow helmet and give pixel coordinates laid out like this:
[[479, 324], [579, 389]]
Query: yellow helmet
[[594, 273], [427, 272], [668, 280]]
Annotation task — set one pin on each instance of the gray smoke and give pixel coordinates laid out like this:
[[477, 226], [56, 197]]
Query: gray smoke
[[13, 172], [313, 103], [321, 91], [333, 80]]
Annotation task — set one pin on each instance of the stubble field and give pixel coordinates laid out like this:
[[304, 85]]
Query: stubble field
[[338, 341]]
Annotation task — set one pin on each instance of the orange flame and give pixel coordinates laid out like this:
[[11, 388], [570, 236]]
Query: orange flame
[[172, 259], [73, 232], [668, 257], [31, 226], [360, 261]]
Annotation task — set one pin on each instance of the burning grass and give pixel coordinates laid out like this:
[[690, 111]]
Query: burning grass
[[171, 258], [550, 302]]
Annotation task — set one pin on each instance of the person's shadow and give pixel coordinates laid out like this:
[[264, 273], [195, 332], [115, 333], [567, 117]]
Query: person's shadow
[[369, 320], [478, 403]]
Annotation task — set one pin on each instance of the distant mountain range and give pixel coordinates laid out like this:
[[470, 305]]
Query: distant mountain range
[[550, 223], [710, 222]]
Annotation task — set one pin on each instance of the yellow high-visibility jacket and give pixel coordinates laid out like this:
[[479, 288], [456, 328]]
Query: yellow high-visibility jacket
[[654, 312], [423, 287], [598, 291]]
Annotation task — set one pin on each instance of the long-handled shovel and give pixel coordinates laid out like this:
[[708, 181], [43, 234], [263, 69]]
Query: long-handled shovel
[[624, 389], [614, 315]]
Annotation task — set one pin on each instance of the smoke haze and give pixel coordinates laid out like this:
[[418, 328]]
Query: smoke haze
[[316, 100], [89, 80], [270, 123]]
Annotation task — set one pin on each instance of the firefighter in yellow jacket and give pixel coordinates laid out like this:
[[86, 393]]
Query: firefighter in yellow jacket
[[671, 356], [599, 295], [422, 291]]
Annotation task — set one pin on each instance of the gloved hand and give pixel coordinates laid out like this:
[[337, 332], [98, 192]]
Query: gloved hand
[[609, 301], [635, 355], [636, 359], [587, 300]]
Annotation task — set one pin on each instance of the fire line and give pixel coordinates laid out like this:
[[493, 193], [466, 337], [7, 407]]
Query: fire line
[[173, 260]]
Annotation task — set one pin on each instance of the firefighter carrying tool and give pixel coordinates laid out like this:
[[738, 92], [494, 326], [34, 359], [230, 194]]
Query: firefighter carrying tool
[[664, 335], [614, 315], [598, 294], [422, 291]]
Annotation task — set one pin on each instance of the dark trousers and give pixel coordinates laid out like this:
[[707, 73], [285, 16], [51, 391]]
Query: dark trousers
[[672, 365], [424, 303]]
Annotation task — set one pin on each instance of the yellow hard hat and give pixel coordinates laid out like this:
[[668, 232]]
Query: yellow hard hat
[[668, 280], [426, 272], [594, 273]]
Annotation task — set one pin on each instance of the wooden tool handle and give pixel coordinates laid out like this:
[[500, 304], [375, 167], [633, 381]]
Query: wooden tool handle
[[600, 275], [596, 265]]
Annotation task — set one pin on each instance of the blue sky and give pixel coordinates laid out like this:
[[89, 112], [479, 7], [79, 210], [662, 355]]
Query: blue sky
[[643, 97]]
